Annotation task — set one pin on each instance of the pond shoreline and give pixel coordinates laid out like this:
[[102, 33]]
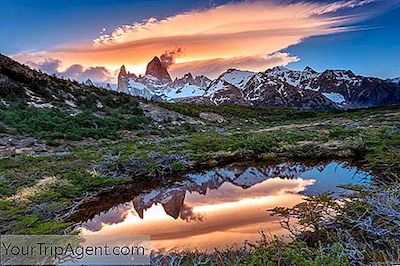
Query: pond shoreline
[[87, 207], [222, 205]]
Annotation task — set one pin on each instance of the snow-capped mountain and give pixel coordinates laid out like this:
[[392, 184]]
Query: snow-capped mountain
[[279, 87], [269, 89], [307, 89], [299, 79], [157, 83], [228, 87]]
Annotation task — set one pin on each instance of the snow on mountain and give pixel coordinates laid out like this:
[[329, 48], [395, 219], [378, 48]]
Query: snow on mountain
[[215, 86], [342, 77], [270, 88], [148, 87], [278, 87], [300, 79], [137, 88], [394, 80], [186, 90], [237, 78], [335, 97], [157, 83]]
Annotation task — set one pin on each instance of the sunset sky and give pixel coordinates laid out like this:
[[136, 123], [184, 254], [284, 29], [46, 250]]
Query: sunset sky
[[92, 39]]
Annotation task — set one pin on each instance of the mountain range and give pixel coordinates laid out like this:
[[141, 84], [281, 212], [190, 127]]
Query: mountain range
[[276, 87]]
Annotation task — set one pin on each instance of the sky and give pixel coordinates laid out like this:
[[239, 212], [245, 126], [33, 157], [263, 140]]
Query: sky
[[82, 39]]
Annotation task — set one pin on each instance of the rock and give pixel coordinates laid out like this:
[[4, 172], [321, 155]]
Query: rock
[[212, 117], [123, 78], [24, 151], [162, 115], [352, 126], [89, 83], [20, 145], [220, 130], [156, 69], [395, 129]]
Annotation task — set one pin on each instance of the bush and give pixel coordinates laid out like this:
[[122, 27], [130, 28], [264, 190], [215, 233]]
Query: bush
[[56, 124], [366, 224]]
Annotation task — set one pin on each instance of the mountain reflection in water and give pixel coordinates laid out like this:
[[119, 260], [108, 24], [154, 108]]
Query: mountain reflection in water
[[220, 207]]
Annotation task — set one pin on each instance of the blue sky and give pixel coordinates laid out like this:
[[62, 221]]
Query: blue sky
[[35, 25], [39, 27], [374, 52]]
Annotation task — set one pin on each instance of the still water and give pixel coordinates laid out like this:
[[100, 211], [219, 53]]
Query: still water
[[223, 206]]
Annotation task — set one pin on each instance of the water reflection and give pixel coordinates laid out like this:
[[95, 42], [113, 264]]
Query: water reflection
[[220, 207]]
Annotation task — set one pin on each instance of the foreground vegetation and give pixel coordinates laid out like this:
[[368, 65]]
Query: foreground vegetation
[[90, 151], [363, 230]]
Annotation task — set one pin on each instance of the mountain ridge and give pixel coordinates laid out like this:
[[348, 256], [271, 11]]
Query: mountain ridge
[[275, 87]]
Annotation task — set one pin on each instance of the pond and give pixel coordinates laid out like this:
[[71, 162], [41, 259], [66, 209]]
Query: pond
[[223, 206]]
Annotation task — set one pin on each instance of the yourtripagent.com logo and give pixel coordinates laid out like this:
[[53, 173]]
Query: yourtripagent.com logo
[[74, 250]]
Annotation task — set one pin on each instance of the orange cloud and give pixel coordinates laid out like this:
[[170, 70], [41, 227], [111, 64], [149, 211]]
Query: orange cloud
[[213, 67], [246, 35]]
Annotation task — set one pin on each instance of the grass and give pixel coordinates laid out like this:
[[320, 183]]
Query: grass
[[235, 113]]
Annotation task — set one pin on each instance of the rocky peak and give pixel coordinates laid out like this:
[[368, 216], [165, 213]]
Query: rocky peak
[[156, 69], [202, 81], [88, 82], [308, 69], [338, 74], [188, 77], [125, 74], [277, 69], [122, 71], [123, 78]]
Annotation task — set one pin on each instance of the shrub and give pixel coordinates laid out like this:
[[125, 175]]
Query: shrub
[[366, 224], [56, 124]]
